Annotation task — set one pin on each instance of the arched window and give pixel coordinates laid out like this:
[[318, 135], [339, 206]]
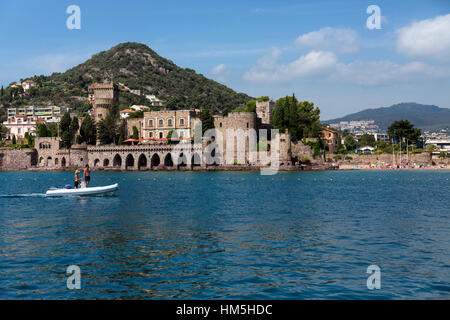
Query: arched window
[[182, 122], [150, 123], [150, 134], [161, 122], [169, 122], [160, 135]]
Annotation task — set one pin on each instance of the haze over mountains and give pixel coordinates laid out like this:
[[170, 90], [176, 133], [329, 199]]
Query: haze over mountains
[[422, 116]]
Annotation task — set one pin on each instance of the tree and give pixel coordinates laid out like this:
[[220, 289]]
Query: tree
[[66, 138], [64, 125], [135, 133], [350, 143], [42, 130], [73, 128], [207, 120], [403, 129], [340, 147], [108, 128], [367, 140], [300, 118], [431, 148], [442, 155], [88, 131]]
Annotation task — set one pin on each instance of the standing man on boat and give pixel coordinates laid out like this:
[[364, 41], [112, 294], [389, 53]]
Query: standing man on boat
[[87, 175], [77, 179]]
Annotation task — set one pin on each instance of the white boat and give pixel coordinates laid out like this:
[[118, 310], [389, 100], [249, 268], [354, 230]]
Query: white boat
[[82, 191]]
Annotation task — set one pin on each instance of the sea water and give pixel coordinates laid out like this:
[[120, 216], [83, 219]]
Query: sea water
[[228, 235]]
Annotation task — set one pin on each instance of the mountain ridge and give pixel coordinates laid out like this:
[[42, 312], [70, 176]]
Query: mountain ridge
[[138, 67], [421, 115]]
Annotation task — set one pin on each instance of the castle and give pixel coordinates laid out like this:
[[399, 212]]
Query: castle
[[155, 150]]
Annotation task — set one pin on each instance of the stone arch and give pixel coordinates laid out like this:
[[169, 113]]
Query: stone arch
[[129, 161], [182, 160], [142, 162], [155, 160], [196, 160], [63, 162], [56, 162], [117, 161], [168, 160], [49, 161], [106, 162], [41, 161], [96, 162]]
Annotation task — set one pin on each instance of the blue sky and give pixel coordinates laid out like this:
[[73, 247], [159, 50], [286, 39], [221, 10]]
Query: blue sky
[[320, 50]]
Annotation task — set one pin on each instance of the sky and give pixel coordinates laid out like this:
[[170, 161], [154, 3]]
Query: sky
[[322, 51]]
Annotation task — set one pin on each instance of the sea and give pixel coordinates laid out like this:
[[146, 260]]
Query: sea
[[227, 235]]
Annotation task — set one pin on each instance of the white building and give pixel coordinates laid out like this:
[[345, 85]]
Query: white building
[[126, 113], [20, 125], [139, 108], [154, 100], [46, 112], [442, 144]]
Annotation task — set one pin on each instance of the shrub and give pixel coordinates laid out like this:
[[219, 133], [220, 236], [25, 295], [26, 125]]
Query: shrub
[[348, 158], [338, 157]]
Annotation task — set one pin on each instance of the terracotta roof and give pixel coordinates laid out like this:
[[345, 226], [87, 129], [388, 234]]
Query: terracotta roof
[[127, 111]]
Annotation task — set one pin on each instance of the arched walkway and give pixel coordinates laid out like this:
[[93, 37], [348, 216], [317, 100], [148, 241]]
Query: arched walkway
[[49, 161], [182, 160], [56, 162], [129, 162], [63, 162], [168, 160], [155, 161], [196, 160], [41, 161], [106, 163], [117, 162], [142, 162], [96, 162]]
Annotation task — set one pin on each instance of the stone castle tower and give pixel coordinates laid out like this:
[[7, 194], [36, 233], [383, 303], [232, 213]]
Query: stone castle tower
[[103, 96], [264, 111]]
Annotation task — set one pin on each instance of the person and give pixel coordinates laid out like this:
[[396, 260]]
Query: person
[[87, 175], [77, 179]]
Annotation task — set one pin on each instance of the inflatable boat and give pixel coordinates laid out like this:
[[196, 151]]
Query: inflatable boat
[[54, 192]]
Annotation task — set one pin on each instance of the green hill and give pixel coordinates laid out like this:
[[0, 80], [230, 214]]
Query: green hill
[[422, 116], [138, 67]]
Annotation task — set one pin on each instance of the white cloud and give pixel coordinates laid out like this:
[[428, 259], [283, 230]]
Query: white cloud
[[325, 65], [218, 69], [330, 39], [379, 73], [426, 39], [220, 73], [270, 69]]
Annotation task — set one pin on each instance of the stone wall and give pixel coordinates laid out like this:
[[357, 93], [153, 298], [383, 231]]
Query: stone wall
[[367, 159], [17, 159]]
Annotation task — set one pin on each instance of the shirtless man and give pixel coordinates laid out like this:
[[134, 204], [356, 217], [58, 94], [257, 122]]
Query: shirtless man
[[87, 175], [77, 179]]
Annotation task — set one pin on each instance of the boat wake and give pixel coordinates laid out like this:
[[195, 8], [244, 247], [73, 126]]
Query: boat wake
[[23, 195]]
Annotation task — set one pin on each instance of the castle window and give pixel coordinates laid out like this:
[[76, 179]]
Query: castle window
[[160, 122], [150, 134], [99, 115], [169, 122], [181, 122], [150, 123], [220, 124], [247, 124], [160, 135]]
